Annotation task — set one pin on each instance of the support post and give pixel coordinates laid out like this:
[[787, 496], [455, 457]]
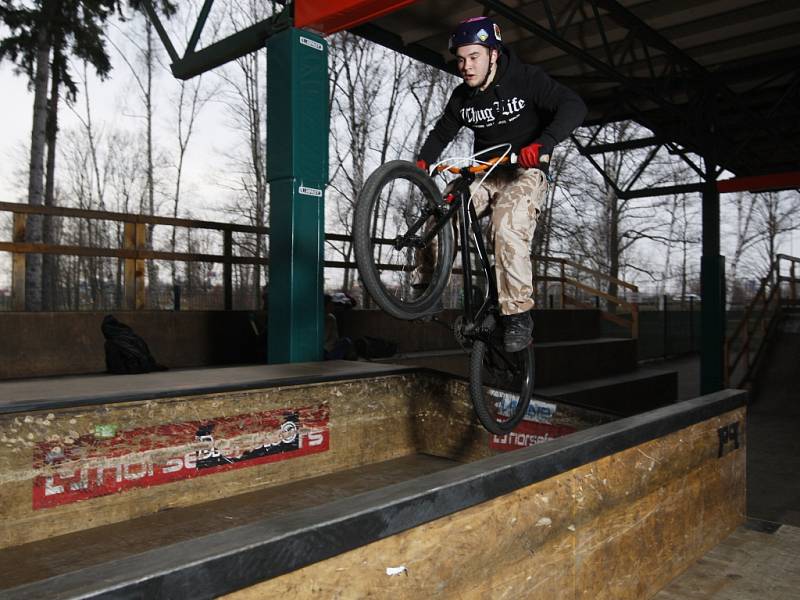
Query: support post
[[134, 239], [19, 260], [666, 326], [227, 268], [129, 267], [297, 171], [139, 272], [712, 315]]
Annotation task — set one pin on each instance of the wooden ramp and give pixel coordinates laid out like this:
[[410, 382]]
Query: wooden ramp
[[312, 480]]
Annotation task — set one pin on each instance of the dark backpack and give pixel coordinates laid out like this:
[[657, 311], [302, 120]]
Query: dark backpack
[[126, 352], [372, 347]]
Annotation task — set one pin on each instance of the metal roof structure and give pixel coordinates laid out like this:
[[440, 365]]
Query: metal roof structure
[[718, 78]]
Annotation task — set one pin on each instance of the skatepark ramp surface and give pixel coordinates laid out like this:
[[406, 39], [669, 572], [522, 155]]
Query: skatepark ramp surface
[[325, 478]]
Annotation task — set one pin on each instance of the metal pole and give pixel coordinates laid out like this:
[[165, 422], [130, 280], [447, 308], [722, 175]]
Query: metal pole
[[666, 325], [227, 268], [712, 315]]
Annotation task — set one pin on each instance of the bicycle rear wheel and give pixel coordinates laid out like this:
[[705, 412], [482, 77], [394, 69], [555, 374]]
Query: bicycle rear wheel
[[500, 383], [397, 197]]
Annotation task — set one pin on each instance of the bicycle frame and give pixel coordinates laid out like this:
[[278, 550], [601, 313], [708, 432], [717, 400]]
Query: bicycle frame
[[474, 317]]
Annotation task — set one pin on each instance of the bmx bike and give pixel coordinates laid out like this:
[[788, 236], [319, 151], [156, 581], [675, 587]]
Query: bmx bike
[[401, 214]]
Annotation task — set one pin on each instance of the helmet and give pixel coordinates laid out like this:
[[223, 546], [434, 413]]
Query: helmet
[[478, 30]]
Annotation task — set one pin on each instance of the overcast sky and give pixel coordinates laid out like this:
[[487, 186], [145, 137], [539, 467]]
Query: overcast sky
[[15, 123], [113, 106]]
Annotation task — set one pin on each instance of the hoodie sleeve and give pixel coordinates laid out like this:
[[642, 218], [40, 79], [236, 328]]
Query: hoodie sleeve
[[568, 109], [442, 133]]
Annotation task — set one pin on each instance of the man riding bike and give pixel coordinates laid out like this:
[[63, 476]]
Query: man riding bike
[[504, 101]]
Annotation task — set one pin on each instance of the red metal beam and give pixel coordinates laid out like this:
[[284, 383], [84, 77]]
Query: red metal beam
[[761, 183], [330, 16]]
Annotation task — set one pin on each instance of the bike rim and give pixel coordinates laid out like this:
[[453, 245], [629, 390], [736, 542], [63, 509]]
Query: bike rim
[[507, 382], [397, 206]]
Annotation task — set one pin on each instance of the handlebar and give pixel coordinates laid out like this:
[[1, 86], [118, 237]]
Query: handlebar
[[476, 168]]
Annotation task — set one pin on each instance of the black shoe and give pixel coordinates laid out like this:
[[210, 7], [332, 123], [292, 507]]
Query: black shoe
[[518, 331]]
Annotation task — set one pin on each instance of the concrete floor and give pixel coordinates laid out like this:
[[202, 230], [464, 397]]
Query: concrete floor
[[748, 565], [761, 560]]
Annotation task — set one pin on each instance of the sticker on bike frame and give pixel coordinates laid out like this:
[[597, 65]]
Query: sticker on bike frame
[[311, 44], [541, 412]]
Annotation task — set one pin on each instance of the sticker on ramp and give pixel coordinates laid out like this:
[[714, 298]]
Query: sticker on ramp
[[506, 402], [528, 433], [95, 465]]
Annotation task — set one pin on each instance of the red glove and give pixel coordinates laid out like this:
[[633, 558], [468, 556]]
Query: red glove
[[530, 157], [421, 164]]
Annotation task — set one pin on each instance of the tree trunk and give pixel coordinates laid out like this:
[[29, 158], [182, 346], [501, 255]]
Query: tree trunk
[[152, 267], [259, 166], [614, 247], [33, 234], [50, 261]]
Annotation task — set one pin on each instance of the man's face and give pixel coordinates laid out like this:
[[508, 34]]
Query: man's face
[[474, 62]]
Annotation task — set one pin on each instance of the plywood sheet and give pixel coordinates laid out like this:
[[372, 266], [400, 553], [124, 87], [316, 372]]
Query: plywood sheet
[[619, 528], [73, 469], [76, 468]]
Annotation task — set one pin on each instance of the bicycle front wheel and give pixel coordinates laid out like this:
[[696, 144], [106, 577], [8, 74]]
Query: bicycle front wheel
[[500, 384], [393, 216]]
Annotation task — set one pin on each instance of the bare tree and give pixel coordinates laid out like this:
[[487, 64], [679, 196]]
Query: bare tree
[[50, 261], [191, 99], [369, 86], [144, 66], [243, 93], [745, 234], [33, 268], [430, 89], [609, 226]]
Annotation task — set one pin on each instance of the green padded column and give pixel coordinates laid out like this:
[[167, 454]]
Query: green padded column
[[297, 171]]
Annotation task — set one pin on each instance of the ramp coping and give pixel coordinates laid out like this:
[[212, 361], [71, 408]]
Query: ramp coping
[[51, 393]]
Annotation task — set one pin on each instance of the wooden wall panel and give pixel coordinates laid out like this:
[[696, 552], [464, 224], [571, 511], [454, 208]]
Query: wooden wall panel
[[369, 422], [619, 528]]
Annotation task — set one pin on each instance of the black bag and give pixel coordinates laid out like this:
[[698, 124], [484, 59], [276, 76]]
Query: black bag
[[372, 347], [126, 352]]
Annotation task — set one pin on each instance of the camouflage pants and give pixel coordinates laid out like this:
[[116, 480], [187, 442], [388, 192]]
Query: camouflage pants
[[514, 198]]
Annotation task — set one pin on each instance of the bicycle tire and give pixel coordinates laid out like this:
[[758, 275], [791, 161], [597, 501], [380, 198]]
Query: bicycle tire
[[396, 298], [486, 393]]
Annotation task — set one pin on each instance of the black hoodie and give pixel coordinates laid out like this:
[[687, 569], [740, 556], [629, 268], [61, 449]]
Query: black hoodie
[[521, 105]]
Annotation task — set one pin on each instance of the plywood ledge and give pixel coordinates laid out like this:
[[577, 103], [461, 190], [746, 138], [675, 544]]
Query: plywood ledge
[[557, 513]]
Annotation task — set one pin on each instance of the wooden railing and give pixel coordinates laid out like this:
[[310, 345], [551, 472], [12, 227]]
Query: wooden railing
[[133, 252], [621, 310], [134, 255], [746, 346]]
